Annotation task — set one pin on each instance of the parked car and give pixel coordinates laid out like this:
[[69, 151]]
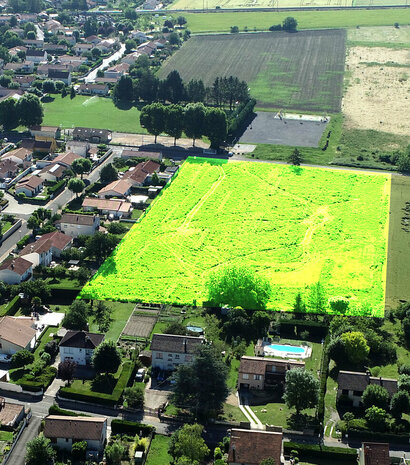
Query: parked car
[[140, 375]]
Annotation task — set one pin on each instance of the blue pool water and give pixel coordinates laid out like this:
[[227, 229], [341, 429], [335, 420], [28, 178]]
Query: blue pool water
[[287, 349], [195, 329]]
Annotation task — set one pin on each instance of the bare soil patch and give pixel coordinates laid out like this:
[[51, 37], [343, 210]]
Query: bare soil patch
[[140, 325], [378, 93]]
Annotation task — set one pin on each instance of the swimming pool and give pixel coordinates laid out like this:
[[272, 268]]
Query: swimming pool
[[287, 350]]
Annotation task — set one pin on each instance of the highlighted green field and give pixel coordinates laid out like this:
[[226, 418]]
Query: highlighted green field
[[295, 226]]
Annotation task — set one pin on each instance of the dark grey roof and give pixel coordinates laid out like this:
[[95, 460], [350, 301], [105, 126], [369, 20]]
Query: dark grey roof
[[55, 73], [33, 52], [174, 343], [356, 381], [81, 339]]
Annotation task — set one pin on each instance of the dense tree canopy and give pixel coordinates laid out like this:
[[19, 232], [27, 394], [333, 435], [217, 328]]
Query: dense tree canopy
[[301, 389], [188, 442], [106, 357], [39, 451], [30, 110]]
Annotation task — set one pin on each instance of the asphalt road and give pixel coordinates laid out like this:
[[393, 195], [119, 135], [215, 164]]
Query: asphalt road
[[17, 457]]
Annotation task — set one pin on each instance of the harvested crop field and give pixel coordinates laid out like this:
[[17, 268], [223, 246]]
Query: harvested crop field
[[302, 71], [378, 91], [295, 226]]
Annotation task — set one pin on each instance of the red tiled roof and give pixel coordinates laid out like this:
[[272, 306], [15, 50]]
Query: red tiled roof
[[120, 187], [58, 239], [106, 204], [18, 265], [376, 453], [66, 158], [30, 183], [257, 365], [81, 428], [142, 171], [18, 331], [251, 447]]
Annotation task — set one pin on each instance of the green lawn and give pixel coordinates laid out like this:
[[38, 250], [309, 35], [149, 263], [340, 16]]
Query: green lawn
[[44, 339], [262, 20], [233, 413], [158, 453], [120, 314], [94, 112], [277, 413], [260, 215], [64, 283], [6, 226], [6, 436]]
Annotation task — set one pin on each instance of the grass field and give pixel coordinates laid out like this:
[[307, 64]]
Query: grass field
[[302, 71], [158, 452], [229, 4], [262, 20], [92, 112], [294, 226], [382, 36], [120, 312]]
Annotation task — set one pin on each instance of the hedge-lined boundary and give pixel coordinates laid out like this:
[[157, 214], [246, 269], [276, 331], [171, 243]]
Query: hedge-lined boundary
[[240, 117], [98, 397], [324, 373], [131, 428], [364, 435], [56, 410], [12, 307], [295, 327], [307, 451]]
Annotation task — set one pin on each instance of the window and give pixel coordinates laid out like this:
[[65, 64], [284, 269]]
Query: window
[[257, 377], [245, 376], [159, 355], [357, 393], [176, 355], [345, 392]]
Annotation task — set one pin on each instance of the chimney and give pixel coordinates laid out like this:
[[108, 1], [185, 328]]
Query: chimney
[[12, 265]]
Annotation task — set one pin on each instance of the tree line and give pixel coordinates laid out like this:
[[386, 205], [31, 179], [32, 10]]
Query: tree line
[[143, 85], [195, 120], [27, 111]]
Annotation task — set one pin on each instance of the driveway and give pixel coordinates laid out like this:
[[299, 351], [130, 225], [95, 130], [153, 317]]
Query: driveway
[[154, 397], [22, 210], [19, 452]]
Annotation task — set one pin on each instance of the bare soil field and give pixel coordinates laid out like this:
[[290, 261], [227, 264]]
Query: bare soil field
[[140, 325], [301, 71], [378, 91]]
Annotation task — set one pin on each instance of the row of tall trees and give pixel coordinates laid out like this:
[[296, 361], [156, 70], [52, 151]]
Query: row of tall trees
[[143, 85], [195, 120], [27, 111]]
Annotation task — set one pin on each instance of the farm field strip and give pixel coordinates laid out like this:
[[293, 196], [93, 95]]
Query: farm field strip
[[302, 71], [294, 226], [220, 21]]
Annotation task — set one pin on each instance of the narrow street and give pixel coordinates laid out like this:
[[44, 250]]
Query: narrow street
[[106, 62]]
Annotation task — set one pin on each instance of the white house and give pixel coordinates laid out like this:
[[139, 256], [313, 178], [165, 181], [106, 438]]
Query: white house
[[16, 334], [36, 56], [20, 156], [117, 188], [16, 270], [59, 242], [78, 147], [75, 225], [170, 350], [38, 253], [79, 346], [30, 186], [65, 431], [79, 49], [117, 207], [53, 172]]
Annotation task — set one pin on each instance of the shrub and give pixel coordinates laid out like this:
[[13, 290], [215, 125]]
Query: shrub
[[46, 358], [134, 397], [404, 369], [217, 453], [375, 395], [51, 348], [131, 427], [276, 27], [22, 358], [78, 450]]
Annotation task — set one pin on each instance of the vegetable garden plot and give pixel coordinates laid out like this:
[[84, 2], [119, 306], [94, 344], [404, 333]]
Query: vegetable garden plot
[[295, 226], [139, 325]]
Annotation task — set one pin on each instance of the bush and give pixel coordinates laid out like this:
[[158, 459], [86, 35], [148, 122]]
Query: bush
[[78, 450], [57, 187], [46, 358], [308, 451], [405, 369], [131, 427], [376, 395], [134, 397], [12, 306], [22, 358], [23, 241], [51, 348], [276, 27], [116, 228], [56, 410]]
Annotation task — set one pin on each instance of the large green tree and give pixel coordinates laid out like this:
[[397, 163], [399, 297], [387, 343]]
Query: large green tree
[[106, 357], [216, 126], [100, 245], [301, 389], [76, 185], [202, 386], [152, 118], [194, 121], [9, 116], [39, 451], [30, 110], [81, 166], [108, 173], [123, 91], [376, 395], [76, 317], [237, 286], [356, 347], [400, 404], [174, 121], [188, 442]]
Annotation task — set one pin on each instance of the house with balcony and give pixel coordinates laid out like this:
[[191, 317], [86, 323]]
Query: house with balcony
[[261, 373]]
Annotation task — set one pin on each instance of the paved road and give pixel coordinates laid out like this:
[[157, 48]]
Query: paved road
[[19, 452], [106, 62]]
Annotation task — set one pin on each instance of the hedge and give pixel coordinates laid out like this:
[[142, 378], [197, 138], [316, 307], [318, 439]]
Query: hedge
[[43, 381], [56, 410], [98, 397], [23, 241], [312, 451], [240, 117], [324, 373], [131, 428], [12, 306], [56, 188], [378, 437]]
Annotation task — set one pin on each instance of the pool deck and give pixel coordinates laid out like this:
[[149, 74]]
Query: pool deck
[[271, 352]]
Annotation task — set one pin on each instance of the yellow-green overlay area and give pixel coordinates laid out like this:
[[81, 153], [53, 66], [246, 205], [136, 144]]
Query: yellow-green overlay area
[[295, 226]]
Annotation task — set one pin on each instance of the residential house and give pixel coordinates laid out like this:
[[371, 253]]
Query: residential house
[[135, 154], [106, 45], [6, 93], [170, 350], [17, 31], [8, 169], [97, 136], [79, 49], [22, 157], [15, 50], [53, 172], [142, 173], [38, 253], [117, 208], [94, 40], [64, 431], [250, 447], [57, 75], [16, 270], [42, 70], [374, 453], [53, 26], [106, 80], [33, 43], [138, 35], [68, 37], [117, 71], [24, 82], [66, 159], [93, 89], [352, 384], [78, 147], [118, 188], [36, 145], [30, 186], [59, 242], [36, 55], [10, 414], [27, 66], [45, 132], [55, 49], [131, 58], [25, 18], [75, 225], [262, 372], [16, 334], [79, 346]]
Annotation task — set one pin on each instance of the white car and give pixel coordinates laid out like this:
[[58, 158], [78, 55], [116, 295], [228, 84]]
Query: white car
[[140, 375]]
